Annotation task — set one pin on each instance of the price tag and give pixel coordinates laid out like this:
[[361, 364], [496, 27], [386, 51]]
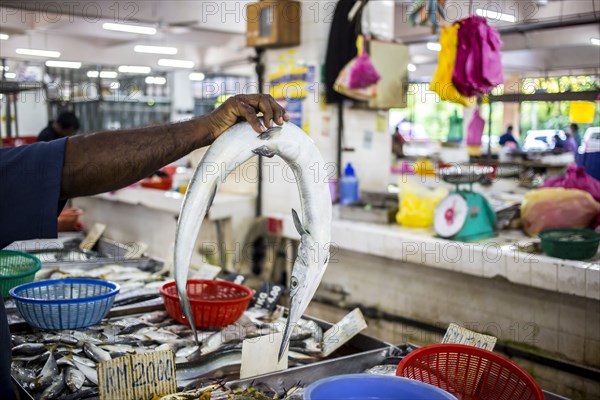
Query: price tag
[[343, 331], [456, 334], [137, 376], [92, 237], [259, 355], [235, 278], [267, 297]]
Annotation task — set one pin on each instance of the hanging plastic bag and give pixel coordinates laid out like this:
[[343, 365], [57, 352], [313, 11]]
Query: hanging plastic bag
[[582, 112], [357, 79], [362, 73], [417, 204], [428, 12], [576, 178], [478, 66], [557, 208], [475, 130], [442, 79]]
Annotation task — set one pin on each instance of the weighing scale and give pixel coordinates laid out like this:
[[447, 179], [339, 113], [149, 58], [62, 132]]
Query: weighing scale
[[464, 215]]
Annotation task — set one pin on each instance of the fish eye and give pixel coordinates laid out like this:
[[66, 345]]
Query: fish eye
[[294, 283]]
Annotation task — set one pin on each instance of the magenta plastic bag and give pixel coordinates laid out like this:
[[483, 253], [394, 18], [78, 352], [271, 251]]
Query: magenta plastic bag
[[363, 73], [576, 178], [475, 130], [478, 67]]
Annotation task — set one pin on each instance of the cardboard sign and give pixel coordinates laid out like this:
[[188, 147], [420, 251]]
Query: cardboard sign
[[137, 376], [267, 297], [259, 355], [456, 334], [92, 237], [343, 331]]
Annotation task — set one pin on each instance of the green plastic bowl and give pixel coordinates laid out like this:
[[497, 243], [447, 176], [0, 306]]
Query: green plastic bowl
[[16, 268], [571, 244]]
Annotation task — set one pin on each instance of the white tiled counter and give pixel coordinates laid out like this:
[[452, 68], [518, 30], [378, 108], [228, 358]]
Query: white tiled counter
[[150, 216], [497, 256]]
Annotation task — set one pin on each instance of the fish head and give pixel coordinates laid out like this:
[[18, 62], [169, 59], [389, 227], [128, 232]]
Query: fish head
[[308, 269]]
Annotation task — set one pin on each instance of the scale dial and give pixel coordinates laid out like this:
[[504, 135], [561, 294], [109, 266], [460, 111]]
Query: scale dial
[[450, 215]]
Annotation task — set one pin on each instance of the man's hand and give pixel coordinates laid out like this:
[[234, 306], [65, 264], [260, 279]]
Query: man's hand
[[246, 107]]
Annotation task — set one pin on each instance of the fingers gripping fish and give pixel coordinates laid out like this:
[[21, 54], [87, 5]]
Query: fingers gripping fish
[[237, 145]]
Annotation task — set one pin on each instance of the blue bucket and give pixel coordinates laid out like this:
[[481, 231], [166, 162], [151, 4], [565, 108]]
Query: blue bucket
[[373, 387]]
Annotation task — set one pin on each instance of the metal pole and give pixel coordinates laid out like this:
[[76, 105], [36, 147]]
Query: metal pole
[[489, 155], [340, 139], [8, 110], [260, 73]]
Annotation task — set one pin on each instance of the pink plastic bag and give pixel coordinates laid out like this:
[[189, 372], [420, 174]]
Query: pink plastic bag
[[576, 178], [363, 73], [475, 130], [557, 208]]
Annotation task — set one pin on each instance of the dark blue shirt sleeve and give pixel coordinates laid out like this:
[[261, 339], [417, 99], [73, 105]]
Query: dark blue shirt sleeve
[[30, 179]]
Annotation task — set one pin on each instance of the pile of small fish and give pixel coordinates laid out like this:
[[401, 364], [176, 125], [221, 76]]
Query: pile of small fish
[[62, 364]]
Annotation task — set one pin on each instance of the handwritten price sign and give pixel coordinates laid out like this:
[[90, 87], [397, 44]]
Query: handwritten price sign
[[138, 376]]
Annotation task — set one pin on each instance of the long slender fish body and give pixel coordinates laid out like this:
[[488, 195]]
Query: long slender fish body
[[230, 150]]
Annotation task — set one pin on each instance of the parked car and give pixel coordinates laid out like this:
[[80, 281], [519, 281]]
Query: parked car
[[591, 140], [542, 140]]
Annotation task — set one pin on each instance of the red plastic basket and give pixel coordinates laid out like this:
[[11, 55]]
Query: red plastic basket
[[215, 304], [469, 373]]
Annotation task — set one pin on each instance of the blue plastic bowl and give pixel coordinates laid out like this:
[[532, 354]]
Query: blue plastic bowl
[[64, 303], [373, 387]]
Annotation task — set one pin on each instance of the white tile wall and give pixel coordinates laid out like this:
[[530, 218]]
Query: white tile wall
[[592, 282], [571, 279]]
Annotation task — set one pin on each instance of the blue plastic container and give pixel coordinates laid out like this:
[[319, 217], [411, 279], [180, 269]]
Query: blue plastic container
[[64, 303], [349, 186], [373, 387]]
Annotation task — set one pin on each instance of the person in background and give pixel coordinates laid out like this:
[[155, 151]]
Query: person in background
[[65, 125], [508, 137], [575, 134], [559, 144], [570, 144]]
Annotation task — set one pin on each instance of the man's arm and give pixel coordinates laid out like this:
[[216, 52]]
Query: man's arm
[[104, 161]]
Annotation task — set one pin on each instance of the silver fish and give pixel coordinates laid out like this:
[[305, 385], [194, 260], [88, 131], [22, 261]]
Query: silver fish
[[47, 374], [89, 372], [55, 389], [22, 374], [118, 350], [74, 379], [208, 366], [231, 149], [95, 353], [28, 349], [155, 317]]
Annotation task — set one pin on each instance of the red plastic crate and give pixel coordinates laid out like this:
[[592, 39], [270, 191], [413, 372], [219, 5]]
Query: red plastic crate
[[469, 373], [214, 304]]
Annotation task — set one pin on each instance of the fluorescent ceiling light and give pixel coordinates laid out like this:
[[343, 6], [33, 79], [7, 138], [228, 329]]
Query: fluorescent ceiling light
[[197, 76], [143, 30], [63, 64], [156, 80], [4, 68], [4, 36], [495, 15], [134, 69], [155, 49], [595, 41], [10, 75], [434, 46], [412, 67], [38, 53], [167, 62], [103, 74]]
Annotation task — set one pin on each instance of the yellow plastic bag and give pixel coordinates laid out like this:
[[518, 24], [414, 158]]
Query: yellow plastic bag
[[417, 204], [442, 80], [557, 208]]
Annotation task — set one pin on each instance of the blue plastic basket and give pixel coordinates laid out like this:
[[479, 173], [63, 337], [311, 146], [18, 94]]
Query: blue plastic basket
[[373, 387], [64, 303]]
